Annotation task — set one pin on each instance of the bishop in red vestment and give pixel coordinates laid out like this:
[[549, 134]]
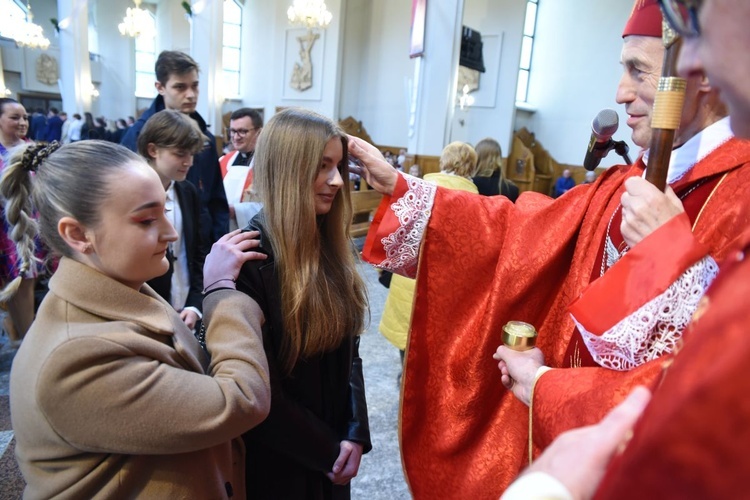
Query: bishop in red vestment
[[462, 434]]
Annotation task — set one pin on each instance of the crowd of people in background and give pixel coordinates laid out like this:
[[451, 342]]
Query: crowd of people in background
[[56, 125]]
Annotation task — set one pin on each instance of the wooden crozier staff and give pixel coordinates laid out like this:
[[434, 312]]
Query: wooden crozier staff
[[670, 96]]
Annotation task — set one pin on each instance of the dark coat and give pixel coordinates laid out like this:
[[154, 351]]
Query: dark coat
[[490, 186], [38, 127], [321, 403], [195, 247], [562, 186], [54, 128], [204, 175]]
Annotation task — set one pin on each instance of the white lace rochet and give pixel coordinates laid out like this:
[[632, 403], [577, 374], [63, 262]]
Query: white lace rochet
[[413, 211], [653, 330]]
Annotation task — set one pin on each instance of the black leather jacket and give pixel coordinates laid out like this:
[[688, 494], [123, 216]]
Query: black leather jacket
[[321, 403]]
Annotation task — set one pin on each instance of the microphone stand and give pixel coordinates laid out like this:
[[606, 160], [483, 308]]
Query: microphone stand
[[620, 147]]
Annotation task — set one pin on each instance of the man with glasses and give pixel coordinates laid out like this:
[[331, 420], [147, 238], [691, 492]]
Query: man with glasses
[[245, 126], [691, 441]]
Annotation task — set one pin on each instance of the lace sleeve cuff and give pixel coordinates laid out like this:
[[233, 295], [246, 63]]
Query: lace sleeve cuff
[[400, 224], [653, 330]]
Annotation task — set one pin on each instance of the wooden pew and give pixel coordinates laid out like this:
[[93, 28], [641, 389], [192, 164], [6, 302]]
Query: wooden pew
[[364, 204]]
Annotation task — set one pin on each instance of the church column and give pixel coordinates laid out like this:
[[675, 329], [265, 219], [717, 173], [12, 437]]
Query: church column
[[75, 67], [434, 84], [172, 27], [206, 37], [2, 77]]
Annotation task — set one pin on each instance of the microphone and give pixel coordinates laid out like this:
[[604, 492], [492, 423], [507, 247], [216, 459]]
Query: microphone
[[603, 128]]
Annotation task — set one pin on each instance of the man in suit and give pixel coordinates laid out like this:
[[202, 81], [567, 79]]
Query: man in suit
[[38, 125], [54, 126]]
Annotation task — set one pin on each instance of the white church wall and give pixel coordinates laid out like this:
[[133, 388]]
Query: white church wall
[[116, 79], [575, 71], [377, 71], [502, 22]]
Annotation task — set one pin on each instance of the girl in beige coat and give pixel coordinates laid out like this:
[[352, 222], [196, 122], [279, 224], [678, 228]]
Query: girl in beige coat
[[111, 395]]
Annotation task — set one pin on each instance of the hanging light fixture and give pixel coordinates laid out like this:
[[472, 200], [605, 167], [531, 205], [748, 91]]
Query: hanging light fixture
[[137, 22], [5, 91], [310, 14], [31, 35], [92, 91]]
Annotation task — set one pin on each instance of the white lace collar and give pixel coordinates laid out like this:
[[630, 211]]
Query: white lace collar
[[696, 148]]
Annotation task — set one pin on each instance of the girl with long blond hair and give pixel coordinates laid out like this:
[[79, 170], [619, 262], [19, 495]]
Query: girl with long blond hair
[[314, 303]]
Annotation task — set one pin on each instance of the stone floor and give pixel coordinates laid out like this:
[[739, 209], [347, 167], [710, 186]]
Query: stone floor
[[380, 475]]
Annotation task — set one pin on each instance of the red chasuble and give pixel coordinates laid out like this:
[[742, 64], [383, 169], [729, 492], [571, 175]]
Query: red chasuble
[[485, 261], [691, 442]]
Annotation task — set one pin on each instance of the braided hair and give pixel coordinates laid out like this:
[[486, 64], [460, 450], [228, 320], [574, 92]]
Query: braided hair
[[57, 181]]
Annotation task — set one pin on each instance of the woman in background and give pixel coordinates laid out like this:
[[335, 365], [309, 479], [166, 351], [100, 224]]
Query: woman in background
[[111, 395], [19, 299], [489, 178], [314, 302]]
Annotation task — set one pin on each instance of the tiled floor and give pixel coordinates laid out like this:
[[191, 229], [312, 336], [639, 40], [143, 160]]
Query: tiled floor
[[11, 482], [380, 475]]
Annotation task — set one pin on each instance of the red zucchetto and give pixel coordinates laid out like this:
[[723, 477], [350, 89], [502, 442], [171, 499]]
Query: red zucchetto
[[645, 19]]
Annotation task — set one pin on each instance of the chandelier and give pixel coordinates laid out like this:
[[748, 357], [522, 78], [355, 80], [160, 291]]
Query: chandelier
[[137, 22], [92, 91], [309, 13], [29, 34]]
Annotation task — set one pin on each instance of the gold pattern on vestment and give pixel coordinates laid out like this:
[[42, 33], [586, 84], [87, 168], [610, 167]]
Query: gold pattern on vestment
[[575, 358]]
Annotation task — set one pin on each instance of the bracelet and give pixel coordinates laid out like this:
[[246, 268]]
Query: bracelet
[[205, 290], [218, 289]]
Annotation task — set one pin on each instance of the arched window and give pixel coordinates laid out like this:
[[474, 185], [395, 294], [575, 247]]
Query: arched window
[[13, 16], [232, 52], [527, 46], [145, 58]]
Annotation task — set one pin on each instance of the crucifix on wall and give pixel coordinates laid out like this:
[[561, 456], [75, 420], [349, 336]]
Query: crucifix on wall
[[302, 73]]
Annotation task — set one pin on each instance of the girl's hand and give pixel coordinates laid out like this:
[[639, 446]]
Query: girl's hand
[[347, 464], [227, 257]]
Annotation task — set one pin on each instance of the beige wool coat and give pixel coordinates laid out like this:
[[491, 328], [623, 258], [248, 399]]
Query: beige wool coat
[[112, 397]]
